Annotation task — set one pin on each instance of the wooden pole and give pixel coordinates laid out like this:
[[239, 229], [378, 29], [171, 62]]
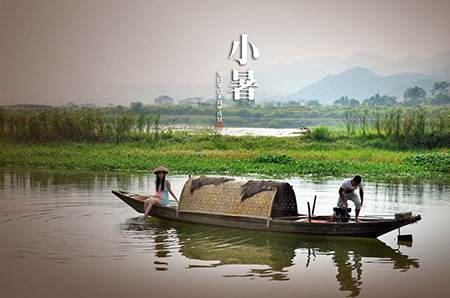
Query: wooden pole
[[314, 205], [309, 213]]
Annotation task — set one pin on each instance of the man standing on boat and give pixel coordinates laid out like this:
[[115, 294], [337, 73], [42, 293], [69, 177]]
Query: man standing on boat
[[347, 192]]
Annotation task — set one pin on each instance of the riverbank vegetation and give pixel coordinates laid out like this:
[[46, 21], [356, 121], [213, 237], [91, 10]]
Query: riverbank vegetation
[[215, 154], [400, 143], [398, 127]]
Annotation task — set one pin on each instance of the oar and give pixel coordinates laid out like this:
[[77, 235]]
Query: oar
[[309, 213], [314, 205]]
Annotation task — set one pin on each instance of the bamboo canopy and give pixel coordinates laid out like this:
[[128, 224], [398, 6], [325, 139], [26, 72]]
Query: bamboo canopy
[[226, 196]]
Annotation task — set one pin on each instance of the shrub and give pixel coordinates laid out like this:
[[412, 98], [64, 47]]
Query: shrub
[[274, 158], [321, 133]]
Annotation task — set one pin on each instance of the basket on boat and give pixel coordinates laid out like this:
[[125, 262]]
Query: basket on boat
[[225, 196]]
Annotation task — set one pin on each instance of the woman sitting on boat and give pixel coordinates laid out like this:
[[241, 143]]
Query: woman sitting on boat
[[163, 188]]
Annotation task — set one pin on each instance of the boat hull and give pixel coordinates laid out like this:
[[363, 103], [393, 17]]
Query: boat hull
[[366, 228]]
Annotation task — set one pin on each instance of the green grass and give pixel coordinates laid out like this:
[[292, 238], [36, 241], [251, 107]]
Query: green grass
[[187, 153]]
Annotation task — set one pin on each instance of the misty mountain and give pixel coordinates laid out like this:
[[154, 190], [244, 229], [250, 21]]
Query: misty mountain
[[272, 80], [318, 78], [328, 65], [276, 82], [285, 79], [436, 65], [361, 83]]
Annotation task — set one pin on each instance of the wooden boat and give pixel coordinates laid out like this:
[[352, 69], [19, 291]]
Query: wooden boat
[[257, 205]]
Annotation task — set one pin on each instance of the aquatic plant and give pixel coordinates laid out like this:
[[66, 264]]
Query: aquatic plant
[[436, 161], [274, 158]]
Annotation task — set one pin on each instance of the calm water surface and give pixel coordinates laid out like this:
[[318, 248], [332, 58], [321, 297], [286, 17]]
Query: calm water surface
[[64, 234], [260, 131]]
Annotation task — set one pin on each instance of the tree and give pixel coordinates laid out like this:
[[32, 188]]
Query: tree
[[164, 100], [363, 120], [244, 103], [313, 104], [414, 96], [136, 106], [377, 122], [353, 102], [292, 103], [268, 104], [380, 101], [441, 99], [441, 93], [440, 88], [346, 102]]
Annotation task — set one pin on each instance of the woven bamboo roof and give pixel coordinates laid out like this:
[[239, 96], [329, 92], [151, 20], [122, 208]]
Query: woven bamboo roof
[[227, 196]]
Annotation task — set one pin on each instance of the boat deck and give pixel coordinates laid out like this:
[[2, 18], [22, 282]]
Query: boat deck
[[300, 224]]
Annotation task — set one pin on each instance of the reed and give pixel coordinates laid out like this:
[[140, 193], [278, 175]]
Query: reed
[[87, 124], [401, 127], [413, 127]]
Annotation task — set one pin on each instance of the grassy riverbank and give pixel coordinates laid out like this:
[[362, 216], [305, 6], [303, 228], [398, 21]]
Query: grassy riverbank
[[224, 155]]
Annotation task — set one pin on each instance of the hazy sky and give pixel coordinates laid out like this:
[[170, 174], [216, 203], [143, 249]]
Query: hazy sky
[[86, 44]]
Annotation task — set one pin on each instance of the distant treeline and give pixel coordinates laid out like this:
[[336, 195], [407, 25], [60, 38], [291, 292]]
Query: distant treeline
[[412, 97]]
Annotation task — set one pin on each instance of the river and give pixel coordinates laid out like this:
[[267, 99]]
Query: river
[[63, 234]]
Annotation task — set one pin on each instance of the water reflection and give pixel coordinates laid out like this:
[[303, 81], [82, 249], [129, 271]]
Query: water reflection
[[277, 253], [345, 270]]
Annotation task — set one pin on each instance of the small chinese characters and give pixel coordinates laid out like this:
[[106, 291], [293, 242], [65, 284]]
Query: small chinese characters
[[219, 99]]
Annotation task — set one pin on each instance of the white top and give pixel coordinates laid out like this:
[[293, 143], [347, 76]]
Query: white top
[[347, 185]]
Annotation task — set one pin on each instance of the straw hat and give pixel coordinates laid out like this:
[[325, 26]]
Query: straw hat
[[161, 169]]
